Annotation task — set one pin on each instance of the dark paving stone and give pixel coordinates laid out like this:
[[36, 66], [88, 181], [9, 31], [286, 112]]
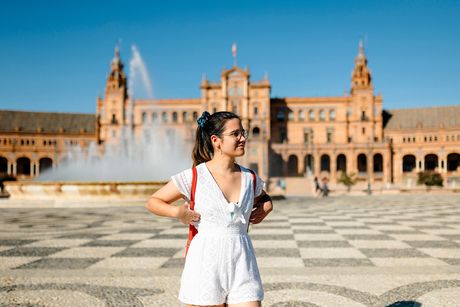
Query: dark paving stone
[[173, 236], [111, 296], [82, 236], [308, 224], [260, 226], [451, 261], [337, 262], [450, 237], [277, 252], [431, 227], [367, 237], [313, 231], [174, 263], [271, 237], [433, 244], [60, 263], [350, 227], [147, 252], [325, 243], [142, 230], [30, 251], [111, 243], [392, 253], [378, 223], [401, 232], [15, 242]]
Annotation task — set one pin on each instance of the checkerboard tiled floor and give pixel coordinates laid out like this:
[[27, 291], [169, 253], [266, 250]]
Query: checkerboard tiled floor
[[300, 233]]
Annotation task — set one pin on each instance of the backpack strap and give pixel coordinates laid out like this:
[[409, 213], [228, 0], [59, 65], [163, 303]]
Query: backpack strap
[[254, 181], [192, 231], [254, 185]]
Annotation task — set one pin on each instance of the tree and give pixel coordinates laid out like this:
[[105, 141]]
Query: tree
[[347, 180]]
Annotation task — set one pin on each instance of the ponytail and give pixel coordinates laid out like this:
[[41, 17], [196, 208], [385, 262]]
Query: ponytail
[[208, 125]]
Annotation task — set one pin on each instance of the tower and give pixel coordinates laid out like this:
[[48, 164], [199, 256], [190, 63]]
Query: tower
[[111, 110], [365, 110]]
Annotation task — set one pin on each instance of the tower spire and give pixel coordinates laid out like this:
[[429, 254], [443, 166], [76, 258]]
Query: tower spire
[[234, 49], [361, 76]]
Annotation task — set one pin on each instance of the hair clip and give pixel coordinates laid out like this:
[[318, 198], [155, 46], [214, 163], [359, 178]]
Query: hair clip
[[203, 119]]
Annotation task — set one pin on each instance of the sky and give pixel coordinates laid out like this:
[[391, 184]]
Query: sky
[[55, 55]]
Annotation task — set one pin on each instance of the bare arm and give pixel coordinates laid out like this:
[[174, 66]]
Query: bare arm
[[263, 205], [160, 204]]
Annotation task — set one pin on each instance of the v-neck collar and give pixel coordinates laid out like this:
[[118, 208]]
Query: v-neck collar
[[220, 190]]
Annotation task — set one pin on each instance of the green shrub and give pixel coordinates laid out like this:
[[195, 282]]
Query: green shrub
[[430, 178]]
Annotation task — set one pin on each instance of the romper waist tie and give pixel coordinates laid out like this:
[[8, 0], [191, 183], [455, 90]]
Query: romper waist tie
[[218, 230]]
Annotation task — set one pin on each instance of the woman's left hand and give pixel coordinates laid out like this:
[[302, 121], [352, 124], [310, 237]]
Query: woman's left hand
[[261, 210]]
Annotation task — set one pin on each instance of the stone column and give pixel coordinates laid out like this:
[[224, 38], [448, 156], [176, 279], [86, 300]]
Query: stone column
[[386, 167], [333, 165], [15, 168], [301, 165], [285, 157], [9, 169], [370, 167], [317, 162], [37, 168]]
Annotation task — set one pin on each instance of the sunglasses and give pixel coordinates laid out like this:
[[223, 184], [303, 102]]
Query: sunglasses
[[237, 134]]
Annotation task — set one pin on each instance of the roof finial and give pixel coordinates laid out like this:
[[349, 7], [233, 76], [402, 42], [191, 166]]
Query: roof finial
[[361, 46], [234, 54]]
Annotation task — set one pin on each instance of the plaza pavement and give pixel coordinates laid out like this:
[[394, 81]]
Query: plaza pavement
[[339, 251]]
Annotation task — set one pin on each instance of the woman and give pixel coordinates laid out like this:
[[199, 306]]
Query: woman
[[220, 267]]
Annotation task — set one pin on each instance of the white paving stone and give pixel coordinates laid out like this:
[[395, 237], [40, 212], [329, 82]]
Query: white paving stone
[[326, 253], [177, 243], [134, 263], [442, 252], [378, 244], [88, 252], [405, 262]]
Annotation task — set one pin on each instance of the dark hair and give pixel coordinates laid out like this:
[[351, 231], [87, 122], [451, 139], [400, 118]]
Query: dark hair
[[209, 124]]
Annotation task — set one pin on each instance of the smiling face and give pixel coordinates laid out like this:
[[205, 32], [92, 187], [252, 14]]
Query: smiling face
[[232, 140]]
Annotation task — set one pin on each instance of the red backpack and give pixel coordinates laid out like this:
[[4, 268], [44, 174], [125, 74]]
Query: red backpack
[[192, 231]]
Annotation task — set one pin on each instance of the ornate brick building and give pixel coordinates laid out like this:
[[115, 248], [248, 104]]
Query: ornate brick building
[[289, 137]]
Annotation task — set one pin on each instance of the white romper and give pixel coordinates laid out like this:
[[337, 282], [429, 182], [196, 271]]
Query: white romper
[[221, 266]]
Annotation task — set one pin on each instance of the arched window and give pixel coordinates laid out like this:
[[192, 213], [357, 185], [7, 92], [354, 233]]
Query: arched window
[[431, 162], [332, 115], [280, 116], [408, 163], [154, 117], [164, 117], [311, 115], [174, 117], [256, 132], [362, 163], [144, 117], [378, 163], [325, 163], [195, 115], [256, 111], [23, 166], [301, 115], [341, 163], [290, 115], [184, 116], [292, 165], [322, 117], [44, 164]]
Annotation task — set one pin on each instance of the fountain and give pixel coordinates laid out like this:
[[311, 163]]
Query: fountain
[[133, 169]]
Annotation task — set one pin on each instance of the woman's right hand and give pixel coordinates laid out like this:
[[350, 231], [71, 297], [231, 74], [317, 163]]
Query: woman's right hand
[[187, 216]]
